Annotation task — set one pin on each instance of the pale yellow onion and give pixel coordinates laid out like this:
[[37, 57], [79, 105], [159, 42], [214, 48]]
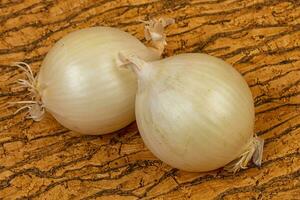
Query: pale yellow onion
[[195, 112], [81, 84]]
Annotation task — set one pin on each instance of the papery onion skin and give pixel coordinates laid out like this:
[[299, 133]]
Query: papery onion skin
[[81, 84], [195, 112]]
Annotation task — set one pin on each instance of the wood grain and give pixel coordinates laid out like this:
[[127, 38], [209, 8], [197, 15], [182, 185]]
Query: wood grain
[[260, 38]]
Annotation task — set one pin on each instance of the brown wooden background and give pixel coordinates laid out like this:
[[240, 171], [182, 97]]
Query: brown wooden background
[[261, 38]]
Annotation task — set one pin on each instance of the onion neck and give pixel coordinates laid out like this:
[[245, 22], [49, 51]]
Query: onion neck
[[144, 70]]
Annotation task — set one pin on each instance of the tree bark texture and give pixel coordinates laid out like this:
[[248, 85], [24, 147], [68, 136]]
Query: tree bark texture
[[43, 160]]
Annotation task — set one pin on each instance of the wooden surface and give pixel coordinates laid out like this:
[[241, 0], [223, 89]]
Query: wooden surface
[[261, 38]]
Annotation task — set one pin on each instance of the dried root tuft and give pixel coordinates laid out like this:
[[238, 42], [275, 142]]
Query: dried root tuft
[[254, 151], [34, 106], [155, 31]]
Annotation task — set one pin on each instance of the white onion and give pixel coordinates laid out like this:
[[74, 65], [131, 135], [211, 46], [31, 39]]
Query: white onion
[[81, 83], [195, 112]]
